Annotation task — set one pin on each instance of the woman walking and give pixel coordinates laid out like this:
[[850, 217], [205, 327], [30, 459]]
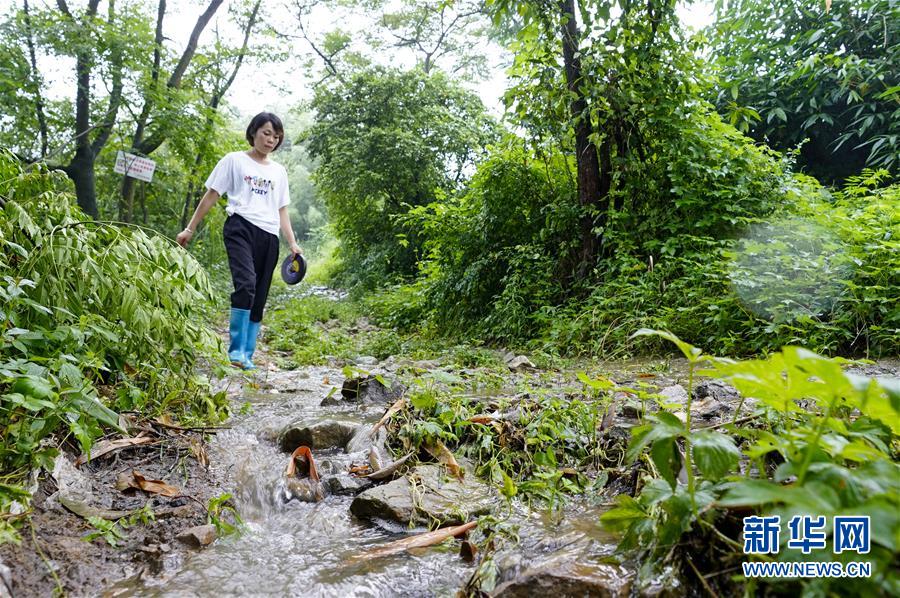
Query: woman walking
[[257, 190]]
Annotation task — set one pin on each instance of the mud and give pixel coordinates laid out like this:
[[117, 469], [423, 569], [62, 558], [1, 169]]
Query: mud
[[55, 556]]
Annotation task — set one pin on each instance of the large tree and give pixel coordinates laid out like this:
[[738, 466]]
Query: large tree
[[608, 51], [144, 141], [387, 141]]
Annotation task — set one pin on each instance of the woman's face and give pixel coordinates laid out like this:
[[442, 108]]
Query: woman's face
[[265, 140]]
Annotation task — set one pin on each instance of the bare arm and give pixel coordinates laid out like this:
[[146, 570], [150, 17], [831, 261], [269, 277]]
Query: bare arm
[[287, 231], [208, 200]]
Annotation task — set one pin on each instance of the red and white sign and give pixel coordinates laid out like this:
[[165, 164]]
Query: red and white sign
[[134, 166]]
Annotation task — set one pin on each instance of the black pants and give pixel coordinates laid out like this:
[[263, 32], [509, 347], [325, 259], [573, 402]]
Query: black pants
[[252, 255]]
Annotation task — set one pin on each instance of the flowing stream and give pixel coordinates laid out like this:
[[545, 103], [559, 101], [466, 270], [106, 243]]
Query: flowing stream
[[308, 549]]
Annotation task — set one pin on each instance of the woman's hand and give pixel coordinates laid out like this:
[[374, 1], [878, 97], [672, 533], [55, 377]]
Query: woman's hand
[[295, 249], [184, 237]]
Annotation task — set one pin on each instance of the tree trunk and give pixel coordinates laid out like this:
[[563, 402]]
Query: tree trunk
[[81, 171], [81, 168], [39, 100], [216, 97], [592, 190]]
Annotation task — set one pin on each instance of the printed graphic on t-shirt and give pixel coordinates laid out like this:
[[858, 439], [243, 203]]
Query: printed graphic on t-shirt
[[259, 185]]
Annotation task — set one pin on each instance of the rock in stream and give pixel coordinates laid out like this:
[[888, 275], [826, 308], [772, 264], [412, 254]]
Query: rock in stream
[[426, 494]]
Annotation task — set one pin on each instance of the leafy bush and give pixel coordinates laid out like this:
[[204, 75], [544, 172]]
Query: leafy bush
[[831, 454], [493, 252], [819, 270], [387, 141], [795, 74], [96, 318]]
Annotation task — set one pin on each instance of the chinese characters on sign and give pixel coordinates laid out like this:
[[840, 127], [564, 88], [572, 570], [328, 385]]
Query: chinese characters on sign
[[134, 166]]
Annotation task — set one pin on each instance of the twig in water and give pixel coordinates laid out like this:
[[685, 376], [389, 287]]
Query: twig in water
[[702, 579], [736, 422]]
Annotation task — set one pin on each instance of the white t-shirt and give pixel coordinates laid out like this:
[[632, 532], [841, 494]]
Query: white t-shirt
[[255, 191]]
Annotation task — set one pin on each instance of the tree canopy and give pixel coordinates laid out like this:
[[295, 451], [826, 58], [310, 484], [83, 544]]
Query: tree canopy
[[825, 77]]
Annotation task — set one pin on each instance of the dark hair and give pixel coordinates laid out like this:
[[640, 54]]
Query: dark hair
[[259, 121]]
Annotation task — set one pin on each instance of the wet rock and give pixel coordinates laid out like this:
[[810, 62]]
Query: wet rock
[[369, 389], [73, 485], [327, 466], [287, 382], [5, 580], [426, 494], [344, 484], [716, 389], [425, 364], [320, 435], [520, 363], [199, 535], [363, 441], [714, 400], [674, 395], [366, 361], [303, 489], [564, 576]]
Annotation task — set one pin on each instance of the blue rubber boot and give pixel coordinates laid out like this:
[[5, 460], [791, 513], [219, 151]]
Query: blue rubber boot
[[238, 330], [250, 343]]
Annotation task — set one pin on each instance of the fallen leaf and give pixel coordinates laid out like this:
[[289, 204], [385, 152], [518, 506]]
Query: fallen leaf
[[481, 419], [325, 381], [136, 480], [84, 510], [397, 406], [104, 447], [417, 541], [439, 451], [199, 452], [467, 551]]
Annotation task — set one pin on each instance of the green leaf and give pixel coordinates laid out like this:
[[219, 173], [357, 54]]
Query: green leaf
[[662, 426], [33, 386], [690, 352], [509, 486], [423, 401], [667, 458], [626, 512], [714, 454]]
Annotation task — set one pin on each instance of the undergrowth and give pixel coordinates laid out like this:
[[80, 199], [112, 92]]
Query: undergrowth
[[97, 319], [822, 443]]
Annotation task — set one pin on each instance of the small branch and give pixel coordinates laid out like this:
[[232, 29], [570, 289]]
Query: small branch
[[190, 428], [701, 578], [736, 422]]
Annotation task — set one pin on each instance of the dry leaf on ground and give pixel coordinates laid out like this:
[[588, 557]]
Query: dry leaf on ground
[[104, 447], [397, 406], [138, 481], [439, 451]]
